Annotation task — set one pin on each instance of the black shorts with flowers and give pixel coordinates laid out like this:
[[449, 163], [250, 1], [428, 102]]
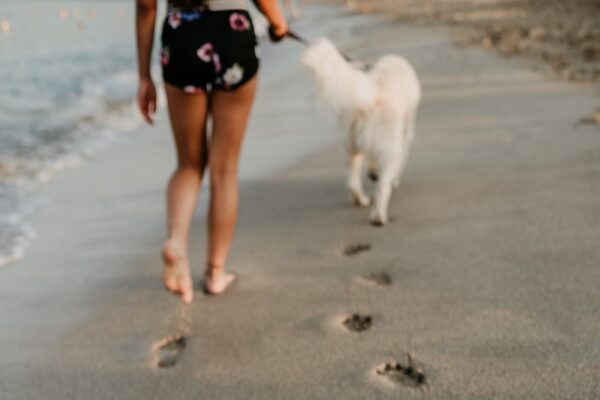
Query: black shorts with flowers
[[203, 50]]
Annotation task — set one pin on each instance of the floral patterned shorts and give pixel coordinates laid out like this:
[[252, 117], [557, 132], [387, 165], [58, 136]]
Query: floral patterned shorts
[[203, 50]]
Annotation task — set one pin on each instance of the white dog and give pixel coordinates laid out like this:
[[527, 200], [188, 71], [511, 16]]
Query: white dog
[[378, 108]]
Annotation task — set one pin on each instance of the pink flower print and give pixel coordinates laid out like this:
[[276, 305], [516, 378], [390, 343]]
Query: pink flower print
[[175, 20], [206, 52], [164, 56], [239, 22]]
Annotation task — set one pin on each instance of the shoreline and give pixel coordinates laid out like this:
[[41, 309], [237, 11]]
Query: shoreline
[[68, 91], [25, 187]]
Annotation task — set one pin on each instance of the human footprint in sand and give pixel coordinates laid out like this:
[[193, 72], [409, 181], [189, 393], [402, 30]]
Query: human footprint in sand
[[209, 59]]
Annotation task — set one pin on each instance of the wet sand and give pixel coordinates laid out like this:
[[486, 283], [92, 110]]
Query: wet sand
[[487, 275]]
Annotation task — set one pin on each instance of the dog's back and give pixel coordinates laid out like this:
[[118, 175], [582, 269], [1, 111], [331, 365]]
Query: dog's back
[[397, 83]]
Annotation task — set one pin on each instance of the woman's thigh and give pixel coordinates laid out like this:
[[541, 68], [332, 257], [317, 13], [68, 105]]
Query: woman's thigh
[[188, 114], [230, 112]]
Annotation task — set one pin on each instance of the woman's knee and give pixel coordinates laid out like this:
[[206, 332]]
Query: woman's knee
[[192, 161], [222, 172], [195, 167]]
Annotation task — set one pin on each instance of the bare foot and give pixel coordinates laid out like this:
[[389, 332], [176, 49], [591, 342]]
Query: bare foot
[[176, 276], [216, 280]]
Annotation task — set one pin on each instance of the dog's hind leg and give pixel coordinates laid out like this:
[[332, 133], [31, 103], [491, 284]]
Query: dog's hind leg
[[357, 193], [383, 192], [372, 171]]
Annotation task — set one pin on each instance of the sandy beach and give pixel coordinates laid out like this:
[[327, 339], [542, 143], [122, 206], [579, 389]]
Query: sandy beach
[[560, 38], [492, 254]]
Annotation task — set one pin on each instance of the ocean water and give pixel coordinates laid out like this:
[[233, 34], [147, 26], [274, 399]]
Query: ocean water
[[67, 88]]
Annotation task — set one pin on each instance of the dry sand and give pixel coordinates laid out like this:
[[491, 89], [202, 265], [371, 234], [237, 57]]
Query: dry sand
[[564, 35], [493, 253]]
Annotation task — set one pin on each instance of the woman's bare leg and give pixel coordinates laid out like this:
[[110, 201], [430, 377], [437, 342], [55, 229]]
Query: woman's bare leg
[[230, 112], [188, 115]]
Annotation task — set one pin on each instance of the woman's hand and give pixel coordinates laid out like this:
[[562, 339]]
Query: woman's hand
[[278, 32], [147, 100], [279, 27]]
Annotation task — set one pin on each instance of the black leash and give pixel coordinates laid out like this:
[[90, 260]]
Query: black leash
[[293, 35]]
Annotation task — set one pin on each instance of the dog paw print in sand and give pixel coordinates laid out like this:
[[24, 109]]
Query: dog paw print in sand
[[168, 350], [358, 323], [381, 278], [404, 374], [593, 120], [352, 249]]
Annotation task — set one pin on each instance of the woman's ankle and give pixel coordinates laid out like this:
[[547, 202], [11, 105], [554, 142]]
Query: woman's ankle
[[213, 268], [174, 247]]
